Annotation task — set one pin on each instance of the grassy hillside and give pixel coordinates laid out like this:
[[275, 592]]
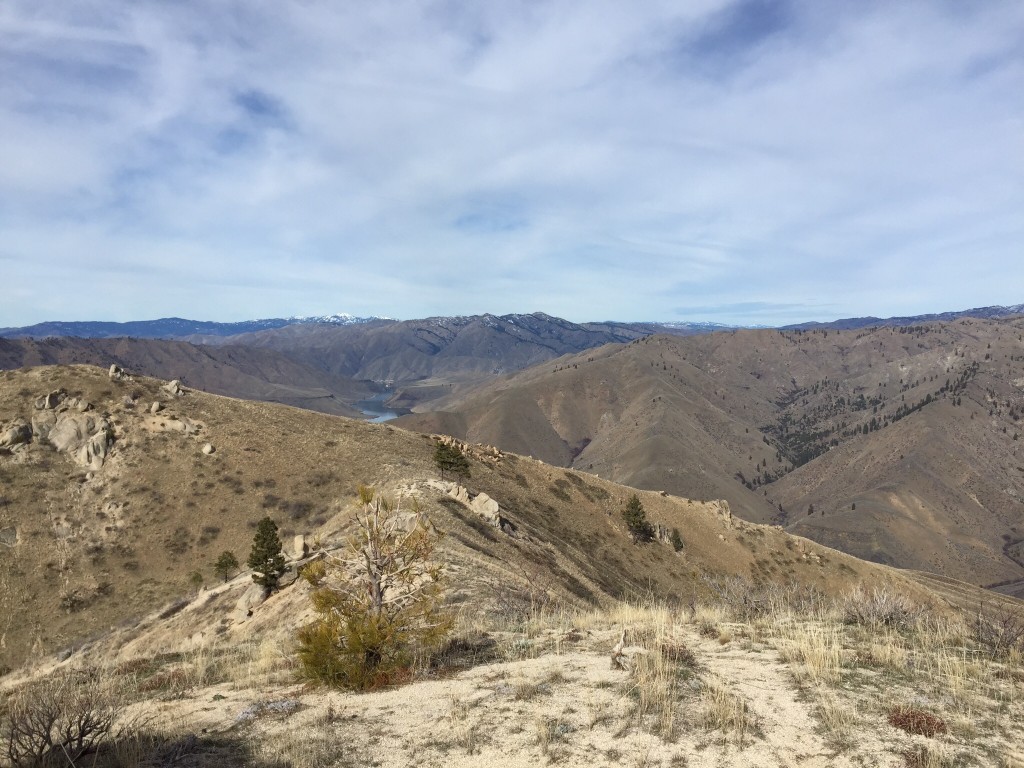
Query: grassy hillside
[[86, 549], [902, 443]]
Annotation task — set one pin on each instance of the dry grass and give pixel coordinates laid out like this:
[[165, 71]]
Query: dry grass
[[725, 711]]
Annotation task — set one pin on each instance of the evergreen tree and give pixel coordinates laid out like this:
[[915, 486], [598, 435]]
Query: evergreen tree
[[266, 558], [636, 520], [449, 458], [226, 564]]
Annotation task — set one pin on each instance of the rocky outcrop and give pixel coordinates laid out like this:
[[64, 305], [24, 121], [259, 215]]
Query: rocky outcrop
[[50, 401], [42, 423], [173, 388], [487, 508], [86, 438], [16, 434], [116, 372]]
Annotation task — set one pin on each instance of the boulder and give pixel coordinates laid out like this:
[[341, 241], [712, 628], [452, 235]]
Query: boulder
[[487, 508], [95, 451], [156, 407], [16, 434], [42, 423], [116, 373], [84, 437], [252, 599], [299, 547], [459, 493], [50, 401], [208, 449], [173, 388], [9, 536]]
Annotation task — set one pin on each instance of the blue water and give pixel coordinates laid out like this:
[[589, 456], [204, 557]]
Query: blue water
[[375, 408]]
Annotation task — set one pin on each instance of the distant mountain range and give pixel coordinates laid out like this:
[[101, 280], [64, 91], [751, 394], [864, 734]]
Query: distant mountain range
[[852, 323], [172, 327], [206, 331]]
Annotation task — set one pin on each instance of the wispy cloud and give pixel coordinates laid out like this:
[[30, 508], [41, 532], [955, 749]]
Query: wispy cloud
[[738, 160]]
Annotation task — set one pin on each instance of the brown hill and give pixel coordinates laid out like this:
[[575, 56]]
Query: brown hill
[[903, 441], [89, 546], [249, 373], [434, 357]]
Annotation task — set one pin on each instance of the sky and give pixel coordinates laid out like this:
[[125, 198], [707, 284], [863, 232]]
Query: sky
[[756, 162]]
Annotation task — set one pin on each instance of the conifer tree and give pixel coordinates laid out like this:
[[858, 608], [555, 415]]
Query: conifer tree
[[266, 558], [636, 520], [449, 458], [226, 564]]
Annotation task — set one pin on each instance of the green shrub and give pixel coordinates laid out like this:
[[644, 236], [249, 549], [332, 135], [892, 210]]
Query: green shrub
[[378, 604]]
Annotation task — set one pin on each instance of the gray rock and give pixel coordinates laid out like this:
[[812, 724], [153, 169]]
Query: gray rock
[[17, 434], [42, 423], [156, 407], [487, 508], [252, 599], [51, 400], [116, 373], [173, 388], [84, 437]]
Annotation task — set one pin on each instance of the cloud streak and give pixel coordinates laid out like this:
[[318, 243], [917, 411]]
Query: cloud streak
[[734, 161]]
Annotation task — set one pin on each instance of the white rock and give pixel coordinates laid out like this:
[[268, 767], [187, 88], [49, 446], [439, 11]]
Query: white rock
[[208, 449]]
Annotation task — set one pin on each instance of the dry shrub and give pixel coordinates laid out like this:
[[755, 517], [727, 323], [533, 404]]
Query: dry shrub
[[916, 721], [61, 720], [725, 711], [880, 608], [926, 756], [1000, 633]]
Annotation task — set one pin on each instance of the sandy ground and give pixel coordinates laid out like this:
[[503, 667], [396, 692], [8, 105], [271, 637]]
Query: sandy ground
[[568, 707]]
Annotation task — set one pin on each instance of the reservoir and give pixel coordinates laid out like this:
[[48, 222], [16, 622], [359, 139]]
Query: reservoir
[[375, 408]]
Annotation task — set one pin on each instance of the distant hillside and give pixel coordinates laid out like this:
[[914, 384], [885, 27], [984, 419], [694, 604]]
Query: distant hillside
[[253, 374], [431, 358], [895, 444], [852, 323], [170, 327]]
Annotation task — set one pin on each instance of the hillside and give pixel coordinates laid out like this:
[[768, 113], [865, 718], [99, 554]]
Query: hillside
[[249, 373], [431, 358], [749, 646], [901, 440], [109, 507]]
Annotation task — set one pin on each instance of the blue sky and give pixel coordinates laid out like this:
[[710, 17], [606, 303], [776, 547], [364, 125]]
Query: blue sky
[[756, 162]]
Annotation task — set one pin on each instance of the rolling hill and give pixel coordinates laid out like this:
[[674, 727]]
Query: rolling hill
[[897, 444], [110, 507]]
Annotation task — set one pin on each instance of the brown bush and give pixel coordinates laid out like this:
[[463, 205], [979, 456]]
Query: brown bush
[[916, 721]]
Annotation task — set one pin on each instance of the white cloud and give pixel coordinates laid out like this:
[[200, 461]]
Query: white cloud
[[232, 160]]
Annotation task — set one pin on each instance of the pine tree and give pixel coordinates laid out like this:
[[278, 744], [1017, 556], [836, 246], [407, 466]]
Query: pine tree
[[266, 558], [226, 564], [449, 458], [636, 520]]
